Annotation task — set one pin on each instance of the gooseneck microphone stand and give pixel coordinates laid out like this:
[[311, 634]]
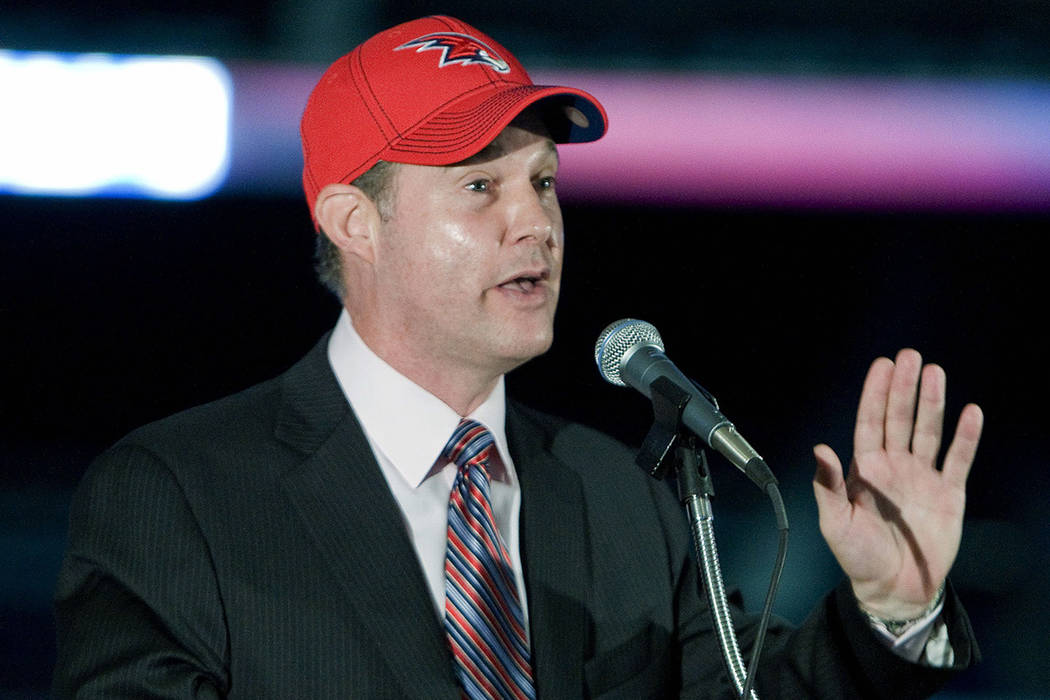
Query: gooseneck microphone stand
[[670, 443]]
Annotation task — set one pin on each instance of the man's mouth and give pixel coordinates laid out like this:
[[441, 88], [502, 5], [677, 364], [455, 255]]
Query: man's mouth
[[521, 284], [525, 283]]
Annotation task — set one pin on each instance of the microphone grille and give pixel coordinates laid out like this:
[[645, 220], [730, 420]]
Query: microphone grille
[[617, 339]]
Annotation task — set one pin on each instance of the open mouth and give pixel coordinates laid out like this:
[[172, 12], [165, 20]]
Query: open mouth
[[525, 283], [521, 284]]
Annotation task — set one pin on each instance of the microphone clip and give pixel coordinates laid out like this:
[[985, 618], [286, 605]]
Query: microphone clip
[[656, 455]]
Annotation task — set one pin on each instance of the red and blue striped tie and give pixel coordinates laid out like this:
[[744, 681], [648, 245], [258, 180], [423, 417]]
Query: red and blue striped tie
[[483, 616]]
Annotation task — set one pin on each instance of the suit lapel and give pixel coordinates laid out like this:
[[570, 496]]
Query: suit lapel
[[343, 500], [554, 556]]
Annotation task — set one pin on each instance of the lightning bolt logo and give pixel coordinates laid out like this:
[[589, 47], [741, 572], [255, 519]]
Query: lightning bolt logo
[[458, 48]]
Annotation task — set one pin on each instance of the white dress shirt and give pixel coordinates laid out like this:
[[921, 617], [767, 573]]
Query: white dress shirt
[[407, 428]]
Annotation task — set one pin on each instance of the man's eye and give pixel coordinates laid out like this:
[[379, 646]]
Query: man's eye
[[479, 186], [545, 183]]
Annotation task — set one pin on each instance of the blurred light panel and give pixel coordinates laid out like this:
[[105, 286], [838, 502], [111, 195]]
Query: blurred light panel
[[105, 125], [182, 127]]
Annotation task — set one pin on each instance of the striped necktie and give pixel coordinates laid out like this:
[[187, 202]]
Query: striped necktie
[[483, 616]]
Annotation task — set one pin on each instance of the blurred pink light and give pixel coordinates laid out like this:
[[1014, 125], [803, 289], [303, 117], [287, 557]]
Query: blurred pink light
[[814, 142]]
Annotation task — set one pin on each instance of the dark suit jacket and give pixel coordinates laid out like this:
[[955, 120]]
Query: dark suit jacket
[[251, 548]]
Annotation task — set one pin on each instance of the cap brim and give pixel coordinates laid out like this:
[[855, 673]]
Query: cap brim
[[466, 126]]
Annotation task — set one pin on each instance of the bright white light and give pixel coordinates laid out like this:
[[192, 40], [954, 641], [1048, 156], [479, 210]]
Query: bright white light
[[95, 124]]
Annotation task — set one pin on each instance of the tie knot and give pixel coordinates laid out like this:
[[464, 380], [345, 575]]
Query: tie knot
[[470, 443]]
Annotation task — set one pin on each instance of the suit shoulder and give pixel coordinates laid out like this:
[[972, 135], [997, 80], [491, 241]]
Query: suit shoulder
[[305, 397], [236, 417]]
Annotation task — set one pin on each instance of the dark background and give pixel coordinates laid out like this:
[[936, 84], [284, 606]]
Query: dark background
[[117, 312]]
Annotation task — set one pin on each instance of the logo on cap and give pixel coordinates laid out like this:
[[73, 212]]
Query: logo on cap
[[458, 48]]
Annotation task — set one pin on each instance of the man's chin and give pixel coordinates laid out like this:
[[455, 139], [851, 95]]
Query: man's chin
[[529, 349]]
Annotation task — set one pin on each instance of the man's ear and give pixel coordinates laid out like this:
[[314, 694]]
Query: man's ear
[[349, 218]]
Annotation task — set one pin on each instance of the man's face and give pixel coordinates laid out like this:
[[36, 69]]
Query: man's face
[[468, 263]]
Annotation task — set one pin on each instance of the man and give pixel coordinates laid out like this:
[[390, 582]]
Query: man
[[320, 535]]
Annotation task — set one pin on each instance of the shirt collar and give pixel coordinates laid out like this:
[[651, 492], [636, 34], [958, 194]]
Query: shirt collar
[[391, 406]]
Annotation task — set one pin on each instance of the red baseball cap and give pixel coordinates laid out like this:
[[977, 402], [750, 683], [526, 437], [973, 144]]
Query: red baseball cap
[[433, 91]]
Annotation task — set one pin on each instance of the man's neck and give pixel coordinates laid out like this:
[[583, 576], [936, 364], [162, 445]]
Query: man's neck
[[461, 387]]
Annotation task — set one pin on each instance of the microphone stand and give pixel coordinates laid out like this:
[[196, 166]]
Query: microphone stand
[[695, 489]]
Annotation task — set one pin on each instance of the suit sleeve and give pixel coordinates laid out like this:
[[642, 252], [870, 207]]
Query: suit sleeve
[[833, 654], [138, 608]]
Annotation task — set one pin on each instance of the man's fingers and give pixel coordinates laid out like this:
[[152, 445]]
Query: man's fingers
[[929, 420], [829, 488], [829, 470], [900, 405], [963, 449], [871, 413]]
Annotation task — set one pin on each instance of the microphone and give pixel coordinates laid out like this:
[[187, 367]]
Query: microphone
[[630, 352]]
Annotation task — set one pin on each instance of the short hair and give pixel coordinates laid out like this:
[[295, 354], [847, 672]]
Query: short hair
[[378, 185]]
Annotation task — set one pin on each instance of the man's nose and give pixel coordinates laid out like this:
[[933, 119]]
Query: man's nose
[[533, 218]]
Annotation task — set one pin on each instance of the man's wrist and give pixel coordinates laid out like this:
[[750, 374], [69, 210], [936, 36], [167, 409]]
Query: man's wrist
[[898, 626]]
